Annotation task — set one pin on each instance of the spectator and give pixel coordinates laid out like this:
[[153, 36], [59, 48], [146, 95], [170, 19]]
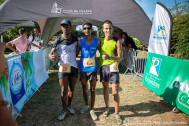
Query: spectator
[[115, 34], [36, 39], [129, 43], [21, 43]]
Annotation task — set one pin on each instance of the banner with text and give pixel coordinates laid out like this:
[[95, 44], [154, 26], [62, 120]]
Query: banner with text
[[160, 35], [21, 78], [168, 77]]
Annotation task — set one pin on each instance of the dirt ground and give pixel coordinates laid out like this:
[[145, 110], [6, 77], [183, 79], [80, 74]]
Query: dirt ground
[[138, 106]]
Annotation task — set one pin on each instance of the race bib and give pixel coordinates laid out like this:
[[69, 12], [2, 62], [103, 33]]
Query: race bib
[[65, 68], [88, 62], [114, 67]]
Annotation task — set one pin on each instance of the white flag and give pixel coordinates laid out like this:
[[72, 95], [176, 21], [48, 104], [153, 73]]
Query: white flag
[[160, 36]]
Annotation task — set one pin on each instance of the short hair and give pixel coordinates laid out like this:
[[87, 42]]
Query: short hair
[[22, 31], [87, 23], [124, 33], [107, 22]]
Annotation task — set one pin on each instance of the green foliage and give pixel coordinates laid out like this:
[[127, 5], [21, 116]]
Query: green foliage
[[26, 63], [12, 33], [1, 1], [139, 44], [180, 30], [4, 82], [101, 33], [73, 31]]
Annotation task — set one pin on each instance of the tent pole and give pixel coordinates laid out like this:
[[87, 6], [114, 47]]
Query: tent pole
[[1, 38], [98, 33]]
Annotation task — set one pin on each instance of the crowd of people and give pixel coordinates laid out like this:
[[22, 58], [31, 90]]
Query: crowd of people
[[69, 47]]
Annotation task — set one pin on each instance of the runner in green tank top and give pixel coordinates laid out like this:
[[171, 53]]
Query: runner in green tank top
[[109, 73], [107, 47]]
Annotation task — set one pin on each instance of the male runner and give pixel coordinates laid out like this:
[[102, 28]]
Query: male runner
[[66, 45], [88, 66], [109, 73]]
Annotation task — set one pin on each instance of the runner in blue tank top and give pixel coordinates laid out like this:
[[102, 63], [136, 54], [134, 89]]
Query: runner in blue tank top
[[88, 66]]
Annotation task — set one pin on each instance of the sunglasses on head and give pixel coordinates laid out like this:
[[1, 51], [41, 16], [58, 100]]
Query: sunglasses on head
[[89, 28]]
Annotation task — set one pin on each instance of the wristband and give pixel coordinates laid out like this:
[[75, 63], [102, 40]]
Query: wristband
[[109, 57], [3, 103]]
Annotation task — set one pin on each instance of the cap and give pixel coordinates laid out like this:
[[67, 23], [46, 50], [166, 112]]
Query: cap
[[66, 21]]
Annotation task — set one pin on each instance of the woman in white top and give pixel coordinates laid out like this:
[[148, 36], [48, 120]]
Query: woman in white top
[[36, 39]]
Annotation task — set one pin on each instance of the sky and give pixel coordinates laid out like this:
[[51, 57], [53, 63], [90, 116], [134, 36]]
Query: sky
[[149, 5]]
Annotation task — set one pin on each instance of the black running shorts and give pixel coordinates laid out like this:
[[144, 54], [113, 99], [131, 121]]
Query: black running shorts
[[88, 76], [73, 73], [107, 76]]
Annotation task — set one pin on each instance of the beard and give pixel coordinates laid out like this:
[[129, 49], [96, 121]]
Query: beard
[[66, 33]]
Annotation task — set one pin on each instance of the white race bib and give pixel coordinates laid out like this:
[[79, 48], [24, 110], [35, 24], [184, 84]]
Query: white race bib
[[88, 62], [65, 68], [114, 67]]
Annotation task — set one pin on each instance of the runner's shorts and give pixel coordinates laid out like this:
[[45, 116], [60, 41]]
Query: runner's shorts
[[88, 76], [73, 73], [107, 76]]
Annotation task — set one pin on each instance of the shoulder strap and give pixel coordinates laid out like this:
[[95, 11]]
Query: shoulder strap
[[32, 37]]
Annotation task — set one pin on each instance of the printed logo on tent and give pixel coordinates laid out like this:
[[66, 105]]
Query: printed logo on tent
[[155, 66], [161, 29], [57, 10]]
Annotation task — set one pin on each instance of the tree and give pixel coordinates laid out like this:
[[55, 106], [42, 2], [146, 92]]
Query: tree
[[1, 1], [180, 29], [12, 33]]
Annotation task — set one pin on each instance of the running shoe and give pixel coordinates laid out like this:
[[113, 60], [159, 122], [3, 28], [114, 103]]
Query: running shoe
[[93, 115], [62, 116], [84, 109], [118, 119], [106, 112], [70, 110]]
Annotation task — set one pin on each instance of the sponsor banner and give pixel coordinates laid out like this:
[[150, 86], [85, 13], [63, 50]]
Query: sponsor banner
[[16, 81], [40, 71], [19, 81], [159, 41], [168, 77]]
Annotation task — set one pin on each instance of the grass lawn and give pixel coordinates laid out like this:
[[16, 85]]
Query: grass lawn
[[137, 106]]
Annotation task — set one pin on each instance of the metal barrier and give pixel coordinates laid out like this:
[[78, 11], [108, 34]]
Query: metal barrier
[[136, 62], [129, 60], [139, 63]]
